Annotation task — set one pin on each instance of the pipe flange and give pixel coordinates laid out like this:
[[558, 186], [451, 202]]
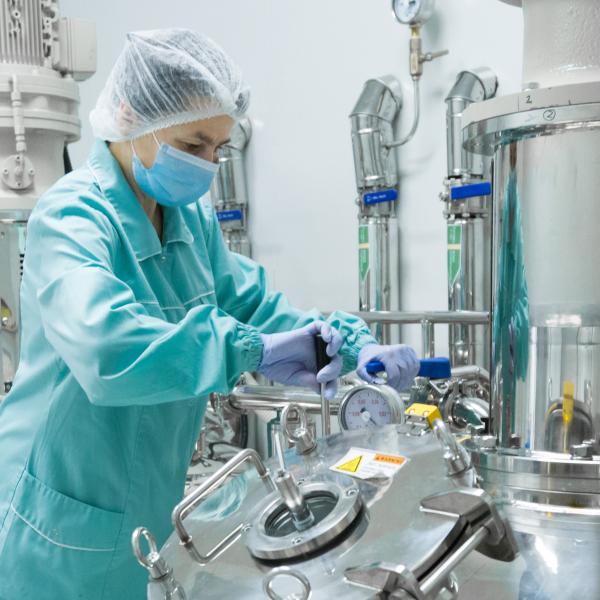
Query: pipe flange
[[17, 172]]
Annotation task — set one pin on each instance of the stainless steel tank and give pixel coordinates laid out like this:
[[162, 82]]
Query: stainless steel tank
[[399, 532], [542, 460], [405, 535], [546, 322]]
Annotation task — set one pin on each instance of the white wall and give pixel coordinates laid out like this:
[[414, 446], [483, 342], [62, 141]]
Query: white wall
[[306, 62]]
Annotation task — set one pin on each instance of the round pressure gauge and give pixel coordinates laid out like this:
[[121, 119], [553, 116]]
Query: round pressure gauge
[[413, 12], [367, 406]]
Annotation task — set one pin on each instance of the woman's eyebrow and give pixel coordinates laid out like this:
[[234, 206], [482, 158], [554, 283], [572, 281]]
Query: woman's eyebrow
[[206, 139]]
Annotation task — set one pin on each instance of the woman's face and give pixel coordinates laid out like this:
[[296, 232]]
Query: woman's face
[[199, 138]]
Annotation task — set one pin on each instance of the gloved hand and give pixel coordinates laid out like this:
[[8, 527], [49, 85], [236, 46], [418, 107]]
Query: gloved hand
[[290, 357], [400, 361]]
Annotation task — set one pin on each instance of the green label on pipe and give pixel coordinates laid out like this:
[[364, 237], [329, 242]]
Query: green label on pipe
[[363, 251], [454, 250]]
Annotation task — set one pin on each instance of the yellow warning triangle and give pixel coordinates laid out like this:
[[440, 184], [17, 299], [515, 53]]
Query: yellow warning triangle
[[352, 465]]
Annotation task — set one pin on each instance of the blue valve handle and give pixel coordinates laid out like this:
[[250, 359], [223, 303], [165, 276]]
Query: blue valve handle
[[434, 368]]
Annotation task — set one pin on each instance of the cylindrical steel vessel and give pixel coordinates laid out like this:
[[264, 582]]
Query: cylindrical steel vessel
[[546, 323]]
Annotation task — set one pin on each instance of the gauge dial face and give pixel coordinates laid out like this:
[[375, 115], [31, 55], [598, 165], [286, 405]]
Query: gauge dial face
[[364, 408], [411, 12]]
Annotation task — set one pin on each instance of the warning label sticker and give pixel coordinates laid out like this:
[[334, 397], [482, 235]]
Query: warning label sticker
[[367, 464]]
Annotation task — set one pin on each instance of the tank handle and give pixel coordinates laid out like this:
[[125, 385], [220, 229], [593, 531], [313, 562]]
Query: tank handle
[[205, 489]]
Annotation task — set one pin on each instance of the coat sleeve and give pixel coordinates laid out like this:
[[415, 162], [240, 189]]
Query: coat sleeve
[[117, 351], [242, 291]]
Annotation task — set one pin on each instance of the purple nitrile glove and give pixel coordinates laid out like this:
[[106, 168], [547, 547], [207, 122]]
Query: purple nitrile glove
[[290, 357], [400, 361]]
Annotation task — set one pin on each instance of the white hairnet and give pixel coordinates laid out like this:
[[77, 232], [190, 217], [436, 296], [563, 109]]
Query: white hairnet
[[167, 77]]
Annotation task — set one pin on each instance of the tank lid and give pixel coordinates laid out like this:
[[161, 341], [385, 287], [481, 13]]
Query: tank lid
[[563, 95], [530, 114]]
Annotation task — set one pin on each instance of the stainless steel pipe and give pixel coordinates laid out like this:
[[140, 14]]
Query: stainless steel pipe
[[256, 397], [467, 317]]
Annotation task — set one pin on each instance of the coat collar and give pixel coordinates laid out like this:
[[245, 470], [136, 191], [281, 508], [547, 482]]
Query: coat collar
[[140, 231]]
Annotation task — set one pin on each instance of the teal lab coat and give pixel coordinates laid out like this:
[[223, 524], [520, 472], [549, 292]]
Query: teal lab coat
[[123, 338]]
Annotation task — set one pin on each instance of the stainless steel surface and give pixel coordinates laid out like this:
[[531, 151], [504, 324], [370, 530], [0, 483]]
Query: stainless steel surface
[[427, 320], [269, 584], [546, 477], [484, 137], [334, 505], [469, 284], [302, 437], [469, 223], [230, 189], [436, 317], [325, 412], [372, 122], [162, 585], [294, 500], [256, 397], [212, 483], [386, 579], [483, 528], [427, 339], [379, 266], [470, 86], [392, 524], [456, 456], [546, 333], [553, 505]]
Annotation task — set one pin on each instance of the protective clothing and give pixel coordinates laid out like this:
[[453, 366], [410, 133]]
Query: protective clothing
[[175, 178], [290, 357], [123, 339], [400, 362], [167, 77]]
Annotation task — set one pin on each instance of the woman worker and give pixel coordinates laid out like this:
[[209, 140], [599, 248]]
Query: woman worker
[[133, 312]]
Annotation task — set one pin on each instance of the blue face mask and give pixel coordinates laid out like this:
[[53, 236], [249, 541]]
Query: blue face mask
[[176, 178]]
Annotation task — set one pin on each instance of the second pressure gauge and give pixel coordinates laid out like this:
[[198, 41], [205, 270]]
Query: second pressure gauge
[[366, 406], [413, 12]]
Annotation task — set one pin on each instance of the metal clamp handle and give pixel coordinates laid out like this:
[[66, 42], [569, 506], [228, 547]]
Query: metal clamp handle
[[286, 571], [146, 560], [302, 437], [301, 417], [212, 483]]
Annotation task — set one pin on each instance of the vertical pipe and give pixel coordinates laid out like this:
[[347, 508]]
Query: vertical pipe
[[230, 190], [428, 338], [377, 180], [468, 222]]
